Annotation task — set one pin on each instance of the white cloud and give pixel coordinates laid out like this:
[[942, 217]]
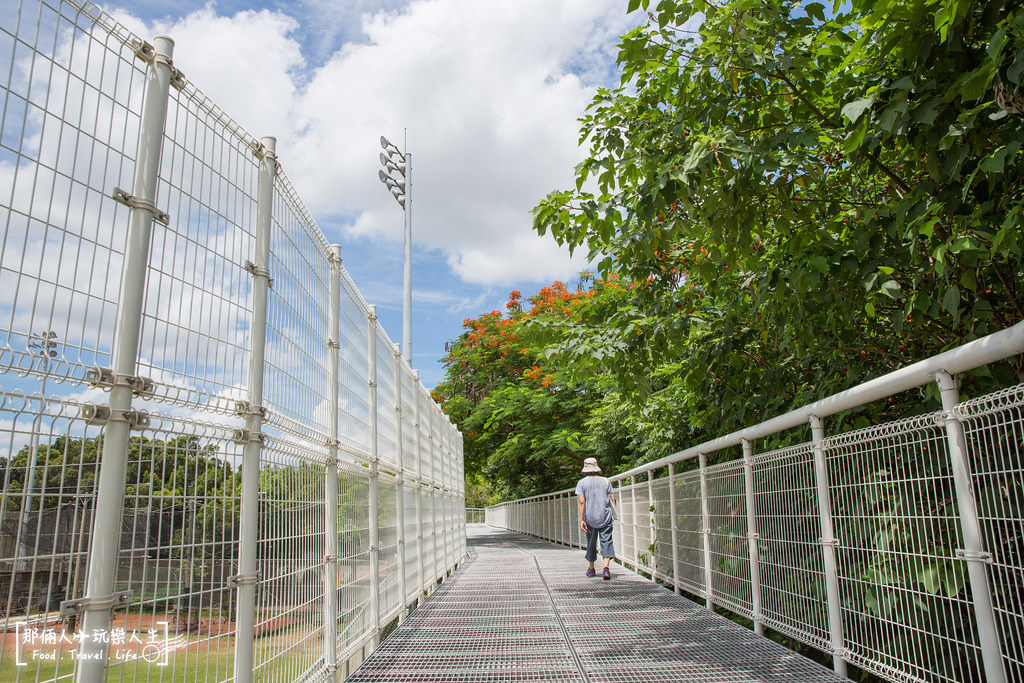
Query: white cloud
[[489, 92]]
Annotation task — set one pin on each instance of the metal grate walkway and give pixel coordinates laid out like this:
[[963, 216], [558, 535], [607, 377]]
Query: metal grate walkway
[[520, 609]]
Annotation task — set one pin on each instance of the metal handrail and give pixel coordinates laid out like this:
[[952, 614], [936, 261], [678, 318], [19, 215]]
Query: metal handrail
[[909, 518]]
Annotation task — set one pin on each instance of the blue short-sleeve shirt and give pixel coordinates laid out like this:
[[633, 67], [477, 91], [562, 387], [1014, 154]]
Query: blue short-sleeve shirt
[[597, 512]]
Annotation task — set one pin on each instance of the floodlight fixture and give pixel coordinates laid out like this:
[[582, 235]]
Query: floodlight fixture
[[397, 176], [389, 147]]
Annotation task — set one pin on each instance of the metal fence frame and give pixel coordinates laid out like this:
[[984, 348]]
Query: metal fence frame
[[895, 548], [284, 486]]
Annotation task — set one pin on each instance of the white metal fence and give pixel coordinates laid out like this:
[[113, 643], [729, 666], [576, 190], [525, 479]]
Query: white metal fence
[[898, 548], [215, 464]]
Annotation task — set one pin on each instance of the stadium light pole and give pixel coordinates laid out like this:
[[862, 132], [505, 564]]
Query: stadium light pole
[[398, 179]]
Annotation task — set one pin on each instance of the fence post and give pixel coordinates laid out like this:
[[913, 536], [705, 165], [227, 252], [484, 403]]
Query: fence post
[[435, 491], [450, 459], [546, 517], [402, 583], [621, 505], [331, 554], [705, 514], [635, 512], [973, 551], [675, 526], [569, 502], [99, 597], [248, 575], [752, 538], [417, 425], [371, 336], [652, 525], [829, 543]]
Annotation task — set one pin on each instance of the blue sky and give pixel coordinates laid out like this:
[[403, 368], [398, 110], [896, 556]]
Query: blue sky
[[488, 93]]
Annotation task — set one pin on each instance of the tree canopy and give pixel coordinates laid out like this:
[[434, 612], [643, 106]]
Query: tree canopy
[[799, 197]]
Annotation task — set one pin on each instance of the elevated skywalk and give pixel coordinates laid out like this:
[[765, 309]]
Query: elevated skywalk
[[520, 609]]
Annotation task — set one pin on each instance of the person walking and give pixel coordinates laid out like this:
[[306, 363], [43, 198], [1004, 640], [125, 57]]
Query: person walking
[[596, 501]]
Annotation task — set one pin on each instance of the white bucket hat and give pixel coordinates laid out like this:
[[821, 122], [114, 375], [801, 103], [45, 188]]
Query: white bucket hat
[[590, 466]]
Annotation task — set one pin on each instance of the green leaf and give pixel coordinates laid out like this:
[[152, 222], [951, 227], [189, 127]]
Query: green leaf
[[931, 577], [855, 109], [969, 279], [855, 137], [976, 85], [951, 301], [891, 289], [815, 10]]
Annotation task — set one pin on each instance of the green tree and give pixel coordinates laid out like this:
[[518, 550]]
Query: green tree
[[810, 197], [523, 415]]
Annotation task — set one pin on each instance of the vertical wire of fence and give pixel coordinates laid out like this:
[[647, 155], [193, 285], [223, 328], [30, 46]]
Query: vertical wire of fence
[[192, 486], [896, 548]]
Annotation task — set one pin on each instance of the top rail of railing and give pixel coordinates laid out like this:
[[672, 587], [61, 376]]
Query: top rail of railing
[[989, 349]]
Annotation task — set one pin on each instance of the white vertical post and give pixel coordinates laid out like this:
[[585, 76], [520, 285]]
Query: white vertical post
[[829, 543], [449, 508], [634, 485], [418, 426], [407, 267], [973, 551], [564, 535], [675, 526], [402, 583], [106, 538], [652, 526], [249, 495], [371, 335], [331, 504], [434, 493], [705, 513], [752, 538], [552, 505], [621, 525], [542, 521]]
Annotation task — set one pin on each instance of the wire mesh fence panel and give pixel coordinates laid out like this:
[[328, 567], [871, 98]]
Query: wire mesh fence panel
[[420, 460], [176, 547], [290, 557], [196, 315], [662, 529], [437, 508], [354, 593], [72, 129], [410, 428], [730, 549], [628, 521], [354, 402], [70, 103], [427, 542], [387, 422], [389, 568], [995, 438], [296, 390], [894, 510], [413, 546], [690, 533], [48, 461], [182, 500], [449, 524], [641, 504], [570, 509], [791, 564]]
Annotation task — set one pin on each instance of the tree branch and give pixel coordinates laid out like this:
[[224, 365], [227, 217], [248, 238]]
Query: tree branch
[[889, 173], [1009, 293]]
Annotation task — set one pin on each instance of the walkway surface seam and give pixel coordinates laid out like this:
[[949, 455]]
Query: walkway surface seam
[[520, 609]]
